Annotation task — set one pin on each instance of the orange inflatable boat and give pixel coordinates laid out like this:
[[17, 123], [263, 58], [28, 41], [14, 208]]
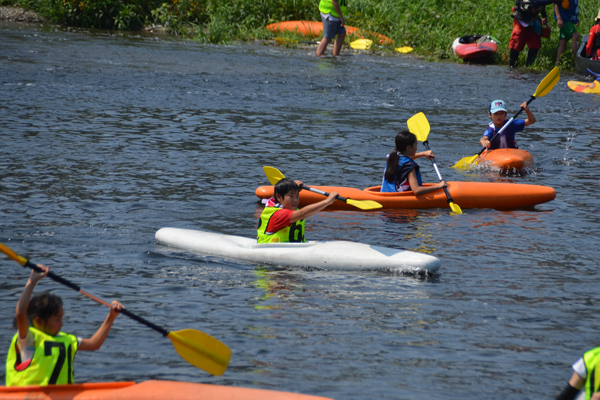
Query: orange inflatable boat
[[315, 28], [148, 390], [507, 160], [499, 196]]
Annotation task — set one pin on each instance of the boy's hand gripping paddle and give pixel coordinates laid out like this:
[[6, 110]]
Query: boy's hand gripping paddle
[[274, 176], [197, 348], [419, 125], [545, 86]]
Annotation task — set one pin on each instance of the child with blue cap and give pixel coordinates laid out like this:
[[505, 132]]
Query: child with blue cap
[[506, 140]]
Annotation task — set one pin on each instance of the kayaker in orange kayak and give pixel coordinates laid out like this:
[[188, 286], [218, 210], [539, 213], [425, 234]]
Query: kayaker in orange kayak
[[506, 140], [40, 354], [402, 172], [281, 221]]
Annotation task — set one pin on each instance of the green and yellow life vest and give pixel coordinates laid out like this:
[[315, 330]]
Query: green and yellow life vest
[[326, 7], [52, 361], [592, 382], [293, 233]]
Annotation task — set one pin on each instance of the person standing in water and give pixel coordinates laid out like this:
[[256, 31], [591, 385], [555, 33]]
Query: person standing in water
[[332, 15]]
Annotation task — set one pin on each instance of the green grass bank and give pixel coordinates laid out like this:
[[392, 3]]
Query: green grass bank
[[429, 26]]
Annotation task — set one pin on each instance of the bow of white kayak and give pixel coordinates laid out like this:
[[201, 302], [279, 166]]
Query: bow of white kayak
[[329, 255]]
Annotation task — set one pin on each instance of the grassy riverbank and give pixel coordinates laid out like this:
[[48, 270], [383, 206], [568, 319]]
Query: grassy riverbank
[[430, 26]]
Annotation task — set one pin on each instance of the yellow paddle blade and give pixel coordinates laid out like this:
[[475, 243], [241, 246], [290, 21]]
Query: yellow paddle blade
[[548, 83], [273, 174], [364, 204], [465, 163], [361, 44], [419, 125], [201, 350], [455, 208], [404, 50], [12, 255]]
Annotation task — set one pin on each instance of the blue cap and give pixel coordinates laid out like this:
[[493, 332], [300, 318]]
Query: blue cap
[[497, 105]]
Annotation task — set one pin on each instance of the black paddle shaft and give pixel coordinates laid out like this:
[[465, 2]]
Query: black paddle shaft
[[507, 124], [77, 288], [311, 189], [426, 144]]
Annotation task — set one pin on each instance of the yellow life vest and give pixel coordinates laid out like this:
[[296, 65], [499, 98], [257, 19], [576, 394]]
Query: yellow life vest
[[326, 7], [592, 382], [293, 233], [52, 361]]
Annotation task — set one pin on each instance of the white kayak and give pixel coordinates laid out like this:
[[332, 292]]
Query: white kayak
[[328, 255]]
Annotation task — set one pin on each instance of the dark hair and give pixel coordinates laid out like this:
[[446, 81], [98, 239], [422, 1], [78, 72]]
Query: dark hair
[[403, 140], [42, 305], [284, 186]]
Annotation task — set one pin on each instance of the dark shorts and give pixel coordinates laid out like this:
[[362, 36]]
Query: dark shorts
[[567, 31], [522, 36], [332, 28]]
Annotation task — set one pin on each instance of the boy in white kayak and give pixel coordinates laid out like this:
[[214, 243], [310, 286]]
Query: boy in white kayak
[[281, 221], [506, 140], [40, 354]]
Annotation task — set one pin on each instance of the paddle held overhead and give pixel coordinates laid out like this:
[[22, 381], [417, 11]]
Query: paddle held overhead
[[197, 348]]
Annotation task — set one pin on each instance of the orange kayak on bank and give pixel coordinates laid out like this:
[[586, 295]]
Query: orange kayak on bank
[[499, 196], [315, 28], [506, 160], [148, 390]]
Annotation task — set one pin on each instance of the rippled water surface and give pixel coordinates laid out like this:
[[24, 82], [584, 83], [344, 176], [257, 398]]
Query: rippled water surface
[[106, 138]]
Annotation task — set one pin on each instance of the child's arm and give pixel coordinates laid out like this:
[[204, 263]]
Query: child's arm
[[419, 190], [530, 118], [559, 20], [485, 142], [22, 321], [96, 341], [312, 209], [336, 7], [427, 154]]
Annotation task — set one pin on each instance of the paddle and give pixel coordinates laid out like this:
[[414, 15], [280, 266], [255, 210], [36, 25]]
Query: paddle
[[543, 89], [419, 125], [404, 50], [274, 176], [482, 39], [361, 44], [197, 348]]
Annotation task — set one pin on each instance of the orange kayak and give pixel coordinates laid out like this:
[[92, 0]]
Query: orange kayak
[[148, 390], [499, 196], [506, 159], [315, 28]]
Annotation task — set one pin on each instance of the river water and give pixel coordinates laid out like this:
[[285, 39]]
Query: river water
[[107, 137]]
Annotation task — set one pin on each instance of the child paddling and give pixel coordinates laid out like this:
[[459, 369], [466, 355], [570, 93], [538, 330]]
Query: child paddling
[[402, 172], [281, 221], [39, 353]]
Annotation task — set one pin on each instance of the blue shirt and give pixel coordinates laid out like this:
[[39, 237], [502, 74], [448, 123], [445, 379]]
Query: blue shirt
[[570, 14], [400, 183], [506, 140]]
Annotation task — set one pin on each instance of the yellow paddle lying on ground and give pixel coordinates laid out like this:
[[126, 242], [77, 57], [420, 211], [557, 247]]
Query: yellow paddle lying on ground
[[545, 86], [361, 44], [274, 176], [419, 125], [197, 348], [404, 50]]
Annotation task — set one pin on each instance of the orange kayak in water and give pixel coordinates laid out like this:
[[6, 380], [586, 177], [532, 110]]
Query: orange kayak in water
[[499, 196], [506, 159], [148, 390], [315, 28]]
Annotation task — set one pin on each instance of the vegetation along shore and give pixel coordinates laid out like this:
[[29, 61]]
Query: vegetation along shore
[[429, 26]]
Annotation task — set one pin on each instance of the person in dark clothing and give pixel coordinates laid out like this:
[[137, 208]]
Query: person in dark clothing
[[527, 29]]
